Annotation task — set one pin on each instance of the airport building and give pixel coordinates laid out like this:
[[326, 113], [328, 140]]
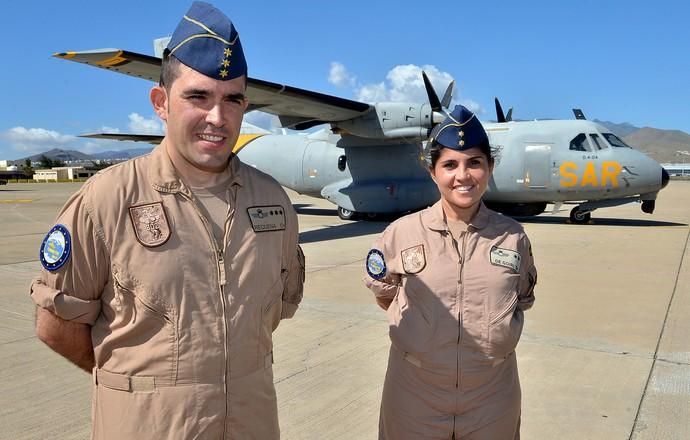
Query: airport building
[[677, 169], [62, 173]]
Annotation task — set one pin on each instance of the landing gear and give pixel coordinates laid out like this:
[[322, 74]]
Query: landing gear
[[579, 216], [346, 214]]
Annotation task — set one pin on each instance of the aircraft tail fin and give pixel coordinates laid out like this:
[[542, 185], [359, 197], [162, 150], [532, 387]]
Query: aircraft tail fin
[[578, 114]]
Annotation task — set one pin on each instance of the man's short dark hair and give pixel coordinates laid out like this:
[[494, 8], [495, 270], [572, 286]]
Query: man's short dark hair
[[170, 70]]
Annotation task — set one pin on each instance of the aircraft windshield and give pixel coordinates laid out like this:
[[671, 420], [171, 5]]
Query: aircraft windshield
[[597, 143], [579, 143], [615, 140]]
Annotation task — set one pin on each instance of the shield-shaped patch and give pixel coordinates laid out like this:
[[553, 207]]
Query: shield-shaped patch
[[150, 224], [413, 259]]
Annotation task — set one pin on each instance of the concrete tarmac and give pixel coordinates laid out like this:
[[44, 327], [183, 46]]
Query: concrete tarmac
[[605, 352]]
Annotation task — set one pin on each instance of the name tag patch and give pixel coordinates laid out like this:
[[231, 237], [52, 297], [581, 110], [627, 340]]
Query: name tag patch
[[505, 258], [267, 218]]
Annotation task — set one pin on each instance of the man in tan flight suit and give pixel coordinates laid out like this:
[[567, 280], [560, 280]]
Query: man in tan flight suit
[[166, 275]]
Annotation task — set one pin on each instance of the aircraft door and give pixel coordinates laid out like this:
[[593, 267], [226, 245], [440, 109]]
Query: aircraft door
[[537, 165]]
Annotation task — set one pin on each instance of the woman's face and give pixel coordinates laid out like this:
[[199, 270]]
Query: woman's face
[[462, 178]]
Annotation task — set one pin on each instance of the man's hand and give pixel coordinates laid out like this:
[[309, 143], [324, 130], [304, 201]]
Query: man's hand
[[68, 339]]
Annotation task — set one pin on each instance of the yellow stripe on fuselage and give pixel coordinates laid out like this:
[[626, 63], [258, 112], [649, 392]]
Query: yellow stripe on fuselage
[[243, 140]]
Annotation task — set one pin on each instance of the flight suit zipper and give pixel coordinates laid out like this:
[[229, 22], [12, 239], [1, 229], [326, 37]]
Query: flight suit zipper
[[460, 250], [221, 285]]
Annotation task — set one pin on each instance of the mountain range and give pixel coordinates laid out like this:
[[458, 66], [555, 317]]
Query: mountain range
[[664, 146]]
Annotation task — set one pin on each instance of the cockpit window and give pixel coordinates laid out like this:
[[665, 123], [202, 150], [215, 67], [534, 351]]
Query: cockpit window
[[615, 140], [579, 143], [597, 141]]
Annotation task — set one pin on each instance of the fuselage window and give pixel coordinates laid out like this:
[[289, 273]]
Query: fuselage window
[[579, 143], [598, 144], [342, 162], [615, 140]]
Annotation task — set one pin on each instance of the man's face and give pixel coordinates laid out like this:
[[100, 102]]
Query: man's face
[[203, 117]]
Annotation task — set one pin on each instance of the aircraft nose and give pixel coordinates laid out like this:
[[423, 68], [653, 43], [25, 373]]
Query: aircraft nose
[[664, 178]]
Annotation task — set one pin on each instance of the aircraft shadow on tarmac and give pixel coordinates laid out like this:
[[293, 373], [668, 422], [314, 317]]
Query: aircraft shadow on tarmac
[[307, 209], [346, 230], [599, 221]]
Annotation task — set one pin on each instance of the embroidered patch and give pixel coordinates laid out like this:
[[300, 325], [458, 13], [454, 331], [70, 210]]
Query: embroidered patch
[[267, 218], [505, 258], [376, 265], [413, 259], [150, 224], [56, 248]]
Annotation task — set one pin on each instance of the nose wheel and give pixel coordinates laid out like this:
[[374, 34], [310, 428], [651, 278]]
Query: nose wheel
[[345, 214], [579, 216]]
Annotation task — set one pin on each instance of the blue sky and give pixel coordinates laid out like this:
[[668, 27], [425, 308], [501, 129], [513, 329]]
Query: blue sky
[[621, 61]]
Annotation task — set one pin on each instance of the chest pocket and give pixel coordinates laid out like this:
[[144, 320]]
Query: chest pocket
[[503, 320], [145, 330], [412, 317]]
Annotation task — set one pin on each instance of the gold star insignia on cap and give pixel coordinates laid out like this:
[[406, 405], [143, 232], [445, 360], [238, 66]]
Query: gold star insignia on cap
[[227, 52], [225, 63], [223, 73], [462, 133], [461, 143]]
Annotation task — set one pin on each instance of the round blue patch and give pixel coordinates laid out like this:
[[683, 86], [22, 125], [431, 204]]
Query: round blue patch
[[56, 248], [376, 265]]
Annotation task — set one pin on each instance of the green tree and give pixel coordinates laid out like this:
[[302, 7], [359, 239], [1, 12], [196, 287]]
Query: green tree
[[27, 168], [45, 162]]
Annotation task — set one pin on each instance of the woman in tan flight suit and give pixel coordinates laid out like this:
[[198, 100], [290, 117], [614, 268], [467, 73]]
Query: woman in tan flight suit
[[455, 279]]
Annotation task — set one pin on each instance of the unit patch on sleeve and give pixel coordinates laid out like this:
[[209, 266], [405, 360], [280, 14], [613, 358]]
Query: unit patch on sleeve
[[505, 258], [56, 248], [413, 259], [150, 224], [376, 265], [267, 218]]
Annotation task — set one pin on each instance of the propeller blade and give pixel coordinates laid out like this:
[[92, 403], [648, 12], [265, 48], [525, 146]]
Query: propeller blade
[[431, 93], [448, 96], [500, 117], [509, 115]]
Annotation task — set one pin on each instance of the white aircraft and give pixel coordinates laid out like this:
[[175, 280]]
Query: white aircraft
[[368, 160]]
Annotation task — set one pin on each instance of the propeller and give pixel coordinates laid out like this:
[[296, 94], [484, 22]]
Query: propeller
[[500, 117], [438, 107]]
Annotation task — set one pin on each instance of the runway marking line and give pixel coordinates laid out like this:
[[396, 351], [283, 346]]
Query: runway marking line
[[8, 201]]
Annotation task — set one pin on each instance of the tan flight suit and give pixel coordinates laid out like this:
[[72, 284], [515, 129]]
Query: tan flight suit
[[181, 330], [455, 309]]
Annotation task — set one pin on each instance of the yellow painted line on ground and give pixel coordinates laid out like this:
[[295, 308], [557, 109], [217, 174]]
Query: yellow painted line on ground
[[8, 201]]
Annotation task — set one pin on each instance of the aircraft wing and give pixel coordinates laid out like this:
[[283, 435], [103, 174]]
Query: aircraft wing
[[148, 138], [296, 108]]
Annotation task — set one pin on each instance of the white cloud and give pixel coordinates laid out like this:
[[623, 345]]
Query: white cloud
[[141, 125], [339, 76], [106, 129], [34, 140], [404, 83]]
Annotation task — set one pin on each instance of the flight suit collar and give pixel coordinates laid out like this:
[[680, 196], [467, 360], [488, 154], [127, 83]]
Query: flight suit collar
[[164, 176], [434, 218]]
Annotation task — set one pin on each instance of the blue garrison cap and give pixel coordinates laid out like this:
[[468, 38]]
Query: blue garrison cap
[[207, 41], [461, 130]]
